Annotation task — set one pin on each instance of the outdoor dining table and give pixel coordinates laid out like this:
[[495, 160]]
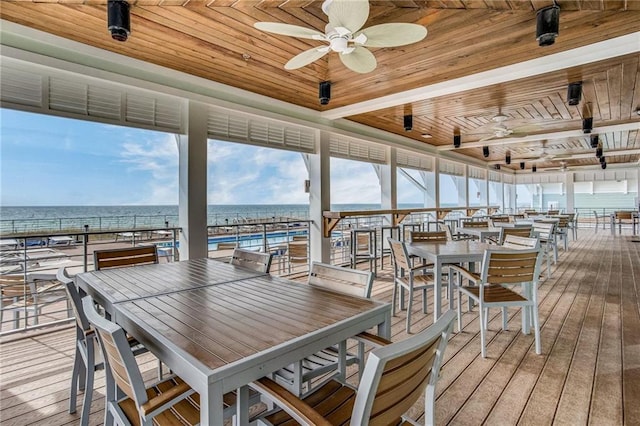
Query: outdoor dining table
[[220, 326], [481, 233], [464, 251]]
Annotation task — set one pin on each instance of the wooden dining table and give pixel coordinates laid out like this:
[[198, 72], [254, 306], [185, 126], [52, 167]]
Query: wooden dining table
[[450, 252], [220, 326]]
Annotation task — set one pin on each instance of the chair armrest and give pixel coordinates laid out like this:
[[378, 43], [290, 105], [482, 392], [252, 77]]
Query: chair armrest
[[372, 339], [465, 273], [295, 407], [178, 392]]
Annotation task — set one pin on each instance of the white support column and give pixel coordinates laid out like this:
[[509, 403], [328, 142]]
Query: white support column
[[192, 180], [462, 184], [319, 198], [638, 188], [389, 182], [569, 192], [436, 168]]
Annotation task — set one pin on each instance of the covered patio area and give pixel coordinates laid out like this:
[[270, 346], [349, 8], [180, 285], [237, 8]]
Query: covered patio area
[[588, 373]]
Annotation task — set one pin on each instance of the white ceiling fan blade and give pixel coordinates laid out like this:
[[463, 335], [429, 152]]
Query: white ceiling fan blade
[[391, 35], [487, 138], [351, 14], [289, 30], [305, 58], [360, 60]]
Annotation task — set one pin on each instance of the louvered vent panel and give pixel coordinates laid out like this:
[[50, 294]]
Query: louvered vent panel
[[275, 135], [68, 96], [355, 149], [140, 109], [20, 87], [259, 132], [105, 103], [495, 176], [168, 113], [300, 139], [238, 128], [477, 173], [411, 160], [451, 168], [508, 179]]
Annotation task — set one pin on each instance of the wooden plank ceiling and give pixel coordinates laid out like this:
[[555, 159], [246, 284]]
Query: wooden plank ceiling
[[216, 40]]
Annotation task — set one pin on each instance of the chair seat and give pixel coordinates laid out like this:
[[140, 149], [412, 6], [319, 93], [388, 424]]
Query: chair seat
[[185, 412], [324, 400], [420, 281], [316, 365], [495, 294]]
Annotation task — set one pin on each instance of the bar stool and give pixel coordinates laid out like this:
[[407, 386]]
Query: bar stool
[[387, 231], [363, 247]]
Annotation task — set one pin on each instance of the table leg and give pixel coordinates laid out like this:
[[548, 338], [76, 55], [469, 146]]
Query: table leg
[[242, 406], [211, 406], [384, 329], [437, 294]]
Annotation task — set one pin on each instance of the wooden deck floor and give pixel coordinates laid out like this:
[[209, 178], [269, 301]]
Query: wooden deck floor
[[589, 372]]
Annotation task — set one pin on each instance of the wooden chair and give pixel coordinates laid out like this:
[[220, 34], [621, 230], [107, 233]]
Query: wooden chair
[[297, 253], [253, 260], [562, 230], [499, 219], [28, 297], [433, 236], [502, 270], [85, 361], [545, 233], [395, 376], [621, 217], [297, 377], [573, 225], [363, 248], [408, 277], [132, 256], [520, 231], [598, 218], [453, 237], [553, 212], [516, 242], [475, 224], [169, 402]]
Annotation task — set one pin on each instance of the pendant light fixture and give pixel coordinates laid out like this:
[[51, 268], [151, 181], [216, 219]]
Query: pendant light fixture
[[485, 151], [534, 169], [408, 122], [574, 93], [594, 141], [547, 25], [324, 92], [587, 124], [522, 165], [507, 159], [457, 141], [118, 19]]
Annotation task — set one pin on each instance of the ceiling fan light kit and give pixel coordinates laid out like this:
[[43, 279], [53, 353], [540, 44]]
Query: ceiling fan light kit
[[547, 25], [574, 93], [457, 140], [118, 19], [587, 124], [324, 92], [408, 123], [345, 36]]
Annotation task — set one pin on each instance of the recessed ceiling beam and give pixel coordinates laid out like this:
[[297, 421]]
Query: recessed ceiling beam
[[611, 48], [613, 127]]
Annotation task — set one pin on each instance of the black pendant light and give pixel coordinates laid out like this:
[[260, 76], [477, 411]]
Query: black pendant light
[[587, 124], [547, 25], [118, 19], [457, 141], [507, 159], [485, 151], [408, 122], [522, 165], [534, 169], [594, 141], [603, 159], [599, 152], [574, 93], [603, 165], [324, 92]]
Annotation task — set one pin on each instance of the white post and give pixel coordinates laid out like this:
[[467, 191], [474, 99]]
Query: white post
[[569, 192], [319, 198], [192, 181], [389, 182]]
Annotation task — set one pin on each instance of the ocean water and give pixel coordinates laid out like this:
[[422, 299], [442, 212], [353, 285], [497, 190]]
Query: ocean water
[[15, 219]]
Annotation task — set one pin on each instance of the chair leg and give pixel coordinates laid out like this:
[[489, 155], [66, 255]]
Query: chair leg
[[482, 331], [409, 309], [504, 318], [75, 382], [459, 312], [88, 389], [424, 301], [394, 299], [536, 329]]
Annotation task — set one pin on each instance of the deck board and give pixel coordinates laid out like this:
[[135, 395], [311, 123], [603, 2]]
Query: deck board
[[589, 372]]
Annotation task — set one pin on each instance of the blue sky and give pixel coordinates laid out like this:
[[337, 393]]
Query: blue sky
[[46, 160]]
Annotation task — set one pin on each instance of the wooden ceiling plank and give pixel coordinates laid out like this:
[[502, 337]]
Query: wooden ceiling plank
[[630, 87], [614, 88], [498, 4], [615, 5]]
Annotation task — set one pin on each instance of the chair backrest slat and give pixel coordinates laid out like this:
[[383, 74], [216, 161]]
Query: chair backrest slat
[[517, 242], [520, 231], [395, 376], [475, 224], [133, 256], [510, 267], [433, 236], [399, 255], [117, 353], [447, 230], [349, 281], [253, 260]]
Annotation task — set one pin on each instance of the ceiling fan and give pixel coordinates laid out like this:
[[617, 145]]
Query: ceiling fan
[[501, 130], [544, 156], [344, 35]]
